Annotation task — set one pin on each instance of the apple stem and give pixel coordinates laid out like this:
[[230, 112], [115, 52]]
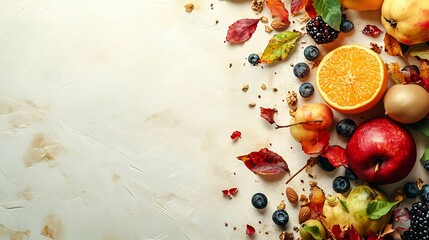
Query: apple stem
[[377, 166], [294, 124], [293, 176]]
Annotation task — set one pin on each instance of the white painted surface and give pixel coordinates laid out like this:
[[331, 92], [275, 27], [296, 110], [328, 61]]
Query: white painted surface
[[115, 119]]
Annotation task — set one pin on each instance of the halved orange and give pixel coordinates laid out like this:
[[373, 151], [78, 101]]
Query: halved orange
[[352, 79]]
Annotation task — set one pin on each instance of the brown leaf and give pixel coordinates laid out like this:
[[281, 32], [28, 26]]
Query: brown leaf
[[241, 30], [268, 114], [391, 46], [265, 162], [278, 9], [387, 230], [395, 74]]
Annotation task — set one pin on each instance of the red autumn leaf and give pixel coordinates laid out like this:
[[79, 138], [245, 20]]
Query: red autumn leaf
[[309, 8], [354, 235], [278, 9], [316, 145], [265, 162], [250, 230], [241, 30], [235, 135], [268, 114], [230, 192], [336, 156], [297, 5], [371, 30]]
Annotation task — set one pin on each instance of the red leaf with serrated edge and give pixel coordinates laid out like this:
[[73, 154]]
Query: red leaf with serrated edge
[[250, 230], [336, 155], [277, 8], [241, 30], [316, 145], [265, 162], [236, 135], [268, 114], [297, 5], [309, 8]]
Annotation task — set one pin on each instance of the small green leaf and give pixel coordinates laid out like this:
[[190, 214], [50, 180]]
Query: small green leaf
[[314, 231], [425, 156], [377, 209], [344, 205], [421, 126], [420, 52], [280, 46], [330, 10]]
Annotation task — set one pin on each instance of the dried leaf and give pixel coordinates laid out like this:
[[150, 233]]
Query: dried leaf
[[309, 8], [316, 145], [391, 46], [278, 9], [268, 114], [280, 46], [388, 229], [241, 30], [265, 162], [336, 155], [395, 74], [297, 5], [420, 52]]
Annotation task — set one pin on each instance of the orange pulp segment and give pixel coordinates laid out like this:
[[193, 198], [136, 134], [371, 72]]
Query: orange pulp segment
[[352, 79]]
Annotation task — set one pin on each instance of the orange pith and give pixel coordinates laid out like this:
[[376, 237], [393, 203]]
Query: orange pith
[[352, 79]]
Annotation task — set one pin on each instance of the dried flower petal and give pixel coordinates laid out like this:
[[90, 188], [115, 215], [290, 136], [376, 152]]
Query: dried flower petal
[[250, 230], [371, 30], [268, 114], [236, 135], [401, 215]]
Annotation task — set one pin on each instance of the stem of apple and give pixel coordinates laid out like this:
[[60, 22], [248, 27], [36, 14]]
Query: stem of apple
[[294, 124], [293, 176], [377, 166]]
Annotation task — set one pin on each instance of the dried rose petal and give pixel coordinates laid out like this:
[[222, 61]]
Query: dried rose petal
[[371, 30], [250, 230], [226, 193], [233, 191], [236, 135], [268, 114], [401, 215]]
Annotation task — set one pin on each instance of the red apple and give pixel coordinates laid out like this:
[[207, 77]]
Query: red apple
[[381, 151]]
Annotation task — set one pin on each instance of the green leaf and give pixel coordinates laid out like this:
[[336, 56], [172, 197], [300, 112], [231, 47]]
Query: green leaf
[[280, 46], [377, 209], [425, 156], [420, 52], [421, 126], [314, 231], [330, 10], [344, 205]]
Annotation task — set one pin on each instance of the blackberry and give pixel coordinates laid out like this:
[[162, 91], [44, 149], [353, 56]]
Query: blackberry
[[320, 31], [419, 224]]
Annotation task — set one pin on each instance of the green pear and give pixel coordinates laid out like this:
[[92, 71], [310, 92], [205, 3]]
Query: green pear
[[312, 230]]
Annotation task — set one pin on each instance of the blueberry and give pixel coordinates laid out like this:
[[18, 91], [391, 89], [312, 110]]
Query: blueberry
[[424, 193], [311, 52], [346, 127], [341, 184], [350, 174], [259, 200], [411, 190], [306, 90], [301, 70], [280, 217], [253, 58], [346, 26], [426, 165], [325, 164]]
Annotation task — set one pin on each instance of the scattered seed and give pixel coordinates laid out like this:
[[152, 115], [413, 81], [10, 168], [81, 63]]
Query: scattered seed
[[189, 7], [252, 105], [263, 86], [245, 87]]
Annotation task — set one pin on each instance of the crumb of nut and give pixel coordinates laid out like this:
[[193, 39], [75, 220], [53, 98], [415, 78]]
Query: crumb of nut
[[226, 224], [281, 205], [245, 87], [286, 236], [296, 229], [257, 5], [268, 29], [189, 7], [292, 100], [303, 199], [419, 183], [264, 19], [279, 25], [304, 19], [217, 22], [292, 112], [303, 42], [235, 228], [398, 195], [263, 86], [252, 105], [376, 48], [275, 89], [230, 65], [266, 232], [312, 184]]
